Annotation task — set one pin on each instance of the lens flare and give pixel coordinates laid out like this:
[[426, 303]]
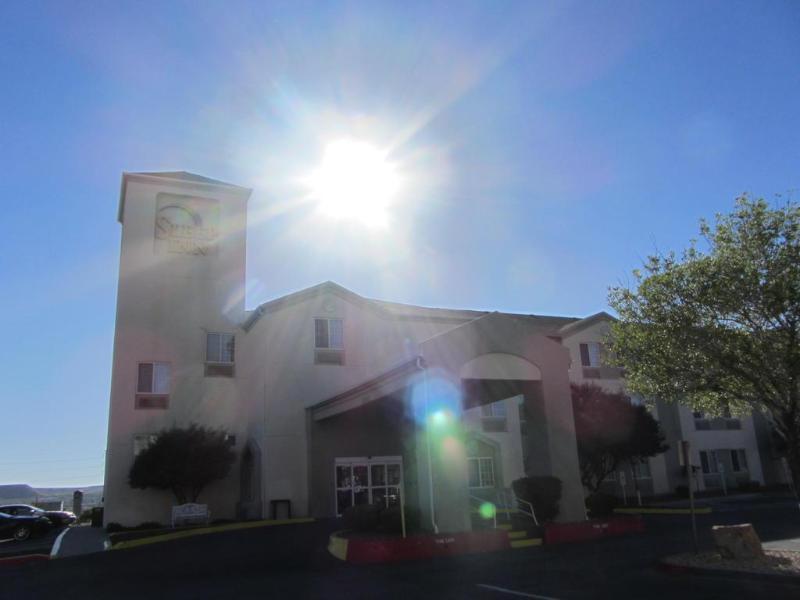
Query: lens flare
[[487, 510]]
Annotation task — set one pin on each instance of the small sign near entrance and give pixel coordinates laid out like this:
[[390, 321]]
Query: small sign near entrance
[[190, 514]]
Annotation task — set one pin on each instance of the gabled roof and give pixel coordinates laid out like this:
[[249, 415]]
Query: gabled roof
[[546, 324], [327, 287], [179, 176], [424, 313], [581, 324]]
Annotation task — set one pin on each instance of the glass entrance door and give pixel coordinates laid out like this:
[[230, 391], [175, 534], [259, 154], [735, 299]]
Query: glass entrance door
[[367, 481]]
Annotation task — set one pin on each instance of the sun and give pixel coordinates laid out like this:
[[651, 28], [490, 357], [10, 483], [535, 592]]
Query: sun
[[355, 181]]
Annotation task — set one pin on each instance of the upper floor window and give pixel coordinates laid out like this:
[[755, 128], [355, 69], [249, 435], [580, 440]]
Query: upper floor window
[[703, 422], [494, 416], [328, 333], [220, 354], [328, 341], [153, 385], [591, 354]]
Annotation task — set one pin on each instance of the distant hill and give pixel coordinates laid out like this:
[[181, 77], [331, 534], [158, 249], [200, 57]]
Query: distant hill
[[24, 494], [16, 490]]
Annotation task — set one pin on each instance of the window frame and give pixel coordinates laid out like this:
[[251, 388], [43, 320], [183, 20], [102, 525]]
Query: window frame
[[152, 391], [328, 335], [351, 462], [481, 485], [586, 357], [739, 455], [221, 335], [145, 400]]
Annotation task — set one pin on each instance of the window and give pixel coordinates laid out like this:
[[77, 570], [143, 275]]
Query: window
[[704, 462], [153, 385], [494, 416], [495, 409], [739, 460], [328, 333], [481, 472], [328, 341], [142, 441], [220, 347], [590, 354], [220, 354]]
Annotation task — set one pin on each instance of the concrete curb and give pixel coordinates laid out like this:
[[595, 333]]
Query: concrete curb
[[166, 537], [416, 547]]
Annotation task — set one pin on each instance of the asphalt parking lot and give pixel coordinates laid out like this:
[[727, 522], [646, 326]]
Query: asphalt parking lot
[[291, 561], [35, 545]]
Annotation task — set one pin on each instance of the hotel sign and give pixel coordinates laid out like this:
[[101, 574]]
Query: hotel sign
[[186, 225]]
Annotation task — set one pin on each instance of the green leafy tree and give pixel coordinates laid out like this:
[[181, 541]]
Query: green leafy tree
[[183, 461], [719, 326], [610, 431]]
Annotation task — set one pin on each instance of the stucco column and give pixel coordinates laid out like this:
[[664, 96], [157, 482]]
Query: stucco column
[[552, 400]]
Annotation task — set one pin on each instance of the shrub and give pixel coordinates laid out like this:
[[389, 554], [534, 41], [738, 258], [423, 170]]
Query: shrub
[[114, 527], [543, 492], [601, 505], [749, 486], [364, 517], [389, 519], [682, 491], [149, 525]]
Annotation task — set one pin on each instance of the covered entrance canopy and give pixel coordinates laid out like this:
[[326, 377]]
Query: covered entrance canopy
[[413, 412]]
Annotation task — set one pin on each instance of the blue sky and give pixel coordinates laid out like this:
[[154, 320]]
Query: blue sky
[[546, 148]]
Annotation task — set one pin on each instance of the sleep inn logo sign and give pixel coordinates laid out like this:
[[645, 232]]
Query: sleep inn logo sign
[[186, 225]]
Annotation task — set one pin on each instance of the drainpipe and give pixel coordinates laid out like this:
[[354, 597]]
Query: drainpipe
[[421, 365]]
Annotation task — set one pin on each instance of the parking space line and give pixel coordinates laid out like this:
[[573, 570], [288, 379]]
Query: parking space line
[[57, 544], [513, 592]]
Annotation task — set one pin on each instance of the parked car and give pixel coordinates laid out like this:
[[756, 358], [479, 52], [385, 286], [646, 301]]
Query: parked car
[[23, 526], [58, 518]]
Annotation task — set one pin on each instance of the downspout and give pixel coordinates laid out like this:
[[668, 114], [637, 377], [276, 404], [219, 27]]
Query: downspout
[[421, 365]]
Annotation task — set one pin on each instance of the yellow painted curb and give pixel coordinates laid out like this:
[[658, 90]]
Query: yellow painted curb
[[704, 510], [205, 530], [504, 526], [516, 535], [526, 543], [337, 545]]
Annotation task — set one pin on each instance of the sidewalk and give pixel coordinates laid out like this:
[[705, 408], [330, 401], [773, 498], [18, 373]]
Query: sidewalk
[[82, 539], [790, 545]]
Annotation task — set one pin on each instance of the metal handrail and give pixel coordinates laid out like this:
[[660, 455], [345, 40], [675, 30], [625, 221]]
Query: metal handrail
[[508, 503], [530, 508], [485, 501], [524, 503]]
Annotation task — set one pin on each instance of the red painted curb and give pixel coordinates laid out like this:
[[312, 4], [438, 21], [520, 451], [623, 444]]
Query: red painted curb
[[425, 546], [560, 533], [23, 559]]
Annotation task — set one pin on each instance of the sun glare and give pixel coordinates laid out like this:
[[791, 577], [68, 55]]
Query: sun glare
[[355, 181]]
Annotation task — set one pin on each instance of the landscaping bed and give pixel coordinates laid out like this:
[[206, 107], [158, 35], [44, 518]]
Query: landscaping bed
[[774, 562]]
